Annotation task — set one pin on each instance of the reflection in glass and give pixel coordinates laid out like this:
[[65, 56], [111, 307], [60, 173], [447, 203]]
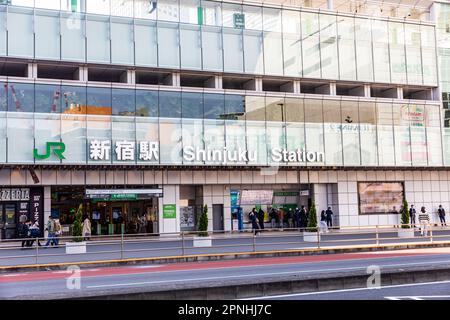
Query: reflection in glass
[[310, 44], [47, 128], [332, 132], [146, 103], [350, 132], [368, 133], [47, 98], [99, 101], [123, 102], [328, 47], [73, 100], [169, 104], [20, 97], [386, 153]]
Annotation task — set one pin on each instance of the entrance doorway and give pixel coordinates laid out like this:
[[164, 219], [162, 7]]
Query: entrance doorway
[[8, 220], [218, 224]]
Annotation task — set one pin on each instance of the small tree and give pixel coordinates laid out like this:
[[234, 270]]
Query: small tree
[[77, 231], [405, 215], [203, 222], [312, 219]]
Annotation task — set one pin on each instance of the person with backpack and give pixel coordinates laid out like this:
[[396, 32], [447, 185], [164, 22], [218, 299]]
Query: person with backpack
[[23, 230], [35, 233], [254, 221], [424, 220], [441, 213], [329, 214], [412, 215], [58, 231], [51, 232], [86, 228]]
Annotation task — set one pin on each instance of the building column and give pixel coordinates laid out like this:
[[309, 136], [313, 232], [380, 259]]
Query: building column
[[32, 71], [47, 207], [399, 93], [330, 5], [171, 196], [367, 90]]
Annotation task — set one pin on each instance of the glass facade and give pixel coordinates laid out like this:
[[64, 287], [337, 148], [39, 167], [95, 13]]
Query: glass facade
[[214, 36], [349, 132]]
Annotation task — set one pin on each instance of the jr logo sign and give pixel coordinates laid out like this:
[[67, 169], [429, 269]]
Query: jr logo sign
[[57, 147]]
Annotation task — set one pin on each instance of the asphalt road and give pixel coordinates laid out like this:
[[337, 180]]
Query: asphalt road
[[418, 291], [163, 246], [48, 284]]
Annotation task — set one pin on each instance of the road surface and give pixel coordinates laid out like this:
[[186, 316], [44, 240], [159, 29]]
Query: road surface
[[165, 246], [48, 284]]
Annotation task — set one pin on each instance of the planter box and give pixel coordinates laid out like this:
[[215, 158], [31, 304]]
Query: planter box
[[75, 247], [202, 241], [310, 237], [406, 233]]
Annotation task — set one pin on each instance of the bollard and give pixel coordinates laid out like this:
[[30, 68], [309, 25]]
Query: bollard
[[431, 233], [182, 243], [318, 238], [377, 236], [121, 246], [37, 250]]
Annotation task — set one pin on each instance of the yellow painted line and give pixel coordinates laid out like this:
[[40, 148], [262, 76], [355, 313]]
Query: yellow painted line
[[223, 255]]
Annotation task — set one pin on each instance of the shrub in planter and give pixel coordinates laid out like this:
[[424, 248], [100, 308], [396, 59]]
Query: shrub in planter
[[312, 219], [203, 222], [77, 230], [405, 215]]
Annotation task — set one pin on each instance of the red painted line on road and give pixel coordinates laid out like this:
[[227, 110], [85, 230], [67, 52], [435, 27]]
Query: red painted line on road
[[108, 271]]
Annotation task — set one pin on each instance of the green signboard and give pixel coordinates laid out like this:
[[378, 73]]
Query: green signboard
[[239, 20], [124, 197], [58, 149], [285, 193], [169, 211]]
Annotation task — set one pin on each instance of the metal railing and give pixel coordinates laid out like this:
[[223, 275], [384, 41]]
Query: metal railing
[[184, 244]]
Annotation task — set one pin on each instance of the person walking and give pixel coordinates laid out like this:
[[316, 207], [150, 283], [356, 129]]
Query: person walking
[[261, 218], [424, 220], [303, 218], [23, 230], [58, 231], [441, 213], [273, 217], [254, 221], [86, 228], [290, 218], [35, 233], [297, 218], [323, 222], [412, 216], [329, 214], [51, 240]]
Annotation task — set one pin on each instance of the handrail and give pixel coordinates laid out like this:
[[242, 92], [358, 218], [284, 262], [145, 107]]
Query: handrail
[[222, 241]]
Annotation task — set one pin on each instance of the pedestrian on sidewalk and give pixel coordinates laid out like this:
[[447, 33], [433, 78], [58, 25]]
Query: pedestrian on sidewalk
[[329, 214], [441, 213], [86, 228], [296, 218], [51, 240], [23, 230], [323, 222], [273, 217], [412, 216], [424, 220], [303, 218], [35, 233], [261, 218], [254, 221], [290, 217]]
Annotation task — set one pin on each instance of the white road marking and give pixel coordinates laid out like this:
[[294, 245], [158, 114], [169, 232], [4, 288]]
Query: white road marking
[[417, 297], [350, 290], [254, 275]]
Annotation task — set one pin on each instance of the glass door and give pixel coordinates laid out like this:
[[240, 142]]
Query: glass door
[[10, 219]]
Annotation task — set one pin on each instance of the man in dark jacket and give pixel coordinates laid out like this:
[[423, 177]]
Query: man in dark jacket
[[261, 218], [296, 217], [441, 213], [254, 221], [273, 217], [303, 218], [412, 215], [329, 214], [22, 230]]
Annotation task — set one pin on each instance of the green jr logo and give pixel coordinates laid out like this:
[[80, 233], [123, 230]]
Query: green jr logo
[[57, 147]]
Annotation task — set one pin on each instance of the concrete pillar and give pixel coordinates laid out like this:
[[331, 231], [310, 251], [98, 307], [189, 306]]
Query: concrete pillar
[[215, 82], [32, 71], [330, 5], [399, 93], [47, 206], [171, 197], [81, 74], [128, 77], [258, 84], [297, 86], [367, 90]]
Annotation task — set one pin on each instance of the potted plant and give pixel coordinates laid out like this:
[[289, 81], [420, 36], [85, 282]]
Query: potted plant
[[405, 230], [311, 233], [203, 240], [77, 245]]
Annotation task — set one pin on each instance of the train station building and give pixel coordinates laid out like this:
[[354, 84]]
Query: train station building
[[155, 108]]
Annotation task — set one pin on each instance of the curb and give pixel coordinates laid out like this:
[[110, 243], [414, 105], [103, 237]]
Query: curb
[[220, 256]]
